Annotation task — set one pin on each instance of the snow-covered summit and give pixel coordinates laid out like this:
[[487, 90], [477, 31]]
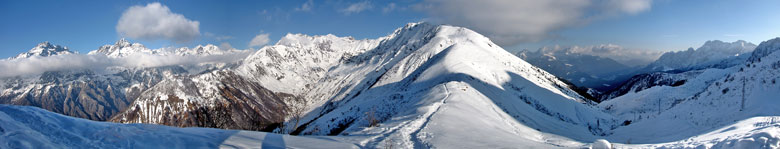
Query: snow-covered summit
[[765, 48], [44, 49], [711, 53], [201, 50], [124, 48], [298, 60], [121, 48]]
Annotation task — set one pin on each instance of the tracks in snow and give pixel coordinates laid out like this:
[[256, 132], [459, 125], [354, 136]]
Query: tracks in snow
[[414, 137], [409, 130]]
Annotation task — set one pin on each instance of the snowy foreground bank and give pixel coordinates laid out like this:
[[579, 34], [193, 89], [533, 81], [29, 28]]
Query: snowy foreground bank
[[31, 127]]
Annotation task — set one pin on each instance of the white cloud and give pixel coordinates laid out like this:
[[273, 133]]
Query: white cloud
[[509, 22], [225, 46], [100, 63], [356, 8], [389, 8], [626, 6], [154, 22], [153, 60], [259, 40], [306, 6], [221, 38], [626, 56]]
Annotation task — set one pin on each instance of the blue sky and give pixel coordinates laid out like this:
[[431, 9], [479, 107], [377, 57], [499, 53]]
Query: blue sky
[[662, 25]]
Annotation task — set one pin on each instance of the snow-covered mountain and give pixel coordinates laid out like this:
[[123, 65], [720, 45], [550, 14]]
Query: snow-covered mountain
[[88, 93], [208, 49], [401, 79], [707, 102], [714, 53], [43, 49], [443, 84], [124, 48], [584, 70], [121, 48]]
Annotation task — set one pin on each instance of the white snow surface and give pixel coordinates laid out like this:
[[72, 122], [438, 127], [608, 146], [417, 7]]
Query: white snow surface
[[31, 127]]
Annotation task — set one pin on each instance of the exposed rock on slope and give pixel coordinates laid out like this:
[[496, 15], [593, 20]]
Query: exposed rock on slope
[[219, 99]]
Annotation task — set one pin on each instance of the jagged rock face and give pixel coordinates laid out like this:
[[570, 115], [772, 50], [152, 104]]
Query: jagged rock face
[[68, 94], [219, 99]]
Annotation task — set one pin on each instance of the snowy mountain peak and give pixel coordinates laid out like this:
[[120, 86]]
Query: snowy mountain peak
[[44, 49], [121, 48], [44, 44], [301, 40], [739, 46], [122, 42], [200, 50], [764, 49]]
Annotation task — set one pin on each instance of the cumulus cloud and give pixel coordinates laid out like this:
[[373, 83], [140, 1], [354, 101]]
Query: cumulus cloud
[[100, 63], [509, 22], [626, 56], [259, 40], [154, 22], [356, 8], [143, 60], [225, 45], [306, 6]]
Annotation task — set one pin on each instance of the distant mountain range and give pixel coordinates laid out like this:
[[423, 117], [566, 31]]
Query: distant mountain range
[[603, 74], [599, 73], [714, 53], [89, 94]]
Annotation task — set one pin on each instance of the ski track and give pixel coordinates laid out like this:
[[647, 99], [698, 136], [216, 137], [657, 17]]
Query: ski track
[[413, 137], [406, 125]]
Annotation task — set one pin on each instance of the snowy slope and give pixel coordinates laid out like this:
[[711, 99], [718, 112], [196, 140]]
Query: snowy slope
[[220, 99], [717, 107], [449, 83], [30, 127]]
